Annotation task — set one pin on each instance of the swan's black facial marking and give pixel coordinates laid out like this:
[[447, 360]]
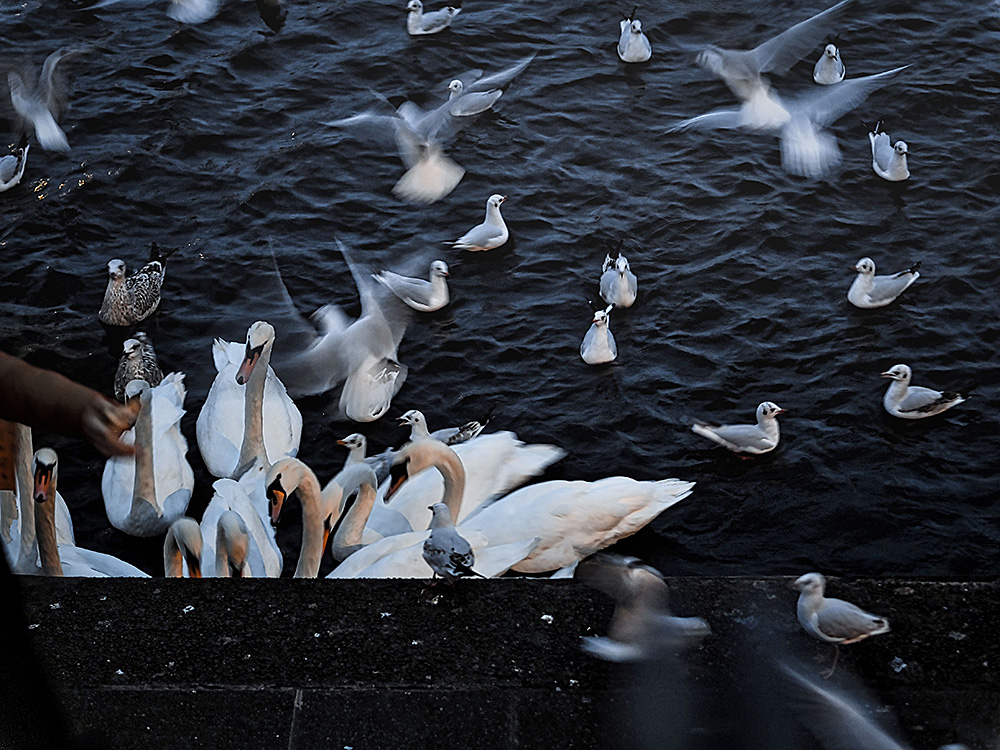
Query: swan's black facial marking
[[276, 495], [398, 474], [249, 362], [43, 478]]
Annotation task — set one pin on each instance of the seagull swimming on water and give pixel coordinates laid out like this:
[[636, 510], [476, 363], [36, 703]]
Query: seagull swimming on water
[[12, 165], [914, 402], [138, 362], [833, 620], [420, 294], [633, 45], [131, 299], [869, 290], [618, 283], [888, 160], [488, 235], [746, 438], [419, 23], [598, 346], [829, 69], [446, 435]]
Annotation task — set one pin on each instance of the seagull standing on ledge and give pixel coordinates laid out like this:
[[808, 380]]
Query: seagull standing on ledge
[[448, 553]]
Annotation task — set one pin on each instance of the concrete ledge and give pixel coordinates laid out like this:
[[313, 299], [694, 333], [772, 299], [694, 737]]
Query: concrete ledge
[[491, 664]]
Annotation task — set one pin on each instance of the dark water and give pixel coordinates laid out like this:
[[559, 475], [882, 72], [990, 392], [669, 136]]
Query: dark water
[[208, 139]]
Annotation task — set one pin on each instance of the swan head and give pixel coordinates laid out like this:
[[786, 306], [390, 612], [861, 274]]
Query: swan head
[[495, 200], [45, 470], [354, 440], [259, 336], [810, 583], [439, 268], [865, 266], [768, 410], [830, 51], [415, 6], [414, 458], [456, 87], [116, 269], [898, 372]]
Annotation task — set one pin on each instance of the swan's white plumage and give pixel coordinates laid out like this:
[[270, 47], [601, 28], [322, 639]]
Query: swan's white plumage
[[172, 475], [220, 424], [494, 465]]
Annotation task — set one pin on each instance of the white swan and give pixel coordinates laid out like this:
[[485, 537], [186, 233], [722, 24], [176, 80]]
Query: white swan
[[245, 499], [322, 509], [491, 466], [182, 549], [566, 521], [65, 559], [238, 423], [145, 493], [17, 508]]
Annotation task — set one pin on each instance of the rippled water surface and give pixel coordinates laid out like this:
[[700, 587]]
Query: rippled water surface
[[209, 139]]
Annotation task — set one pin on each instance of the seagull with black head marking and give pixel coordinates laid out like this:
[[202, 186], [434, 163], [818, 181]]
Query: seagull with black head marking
[[746, 438], [491, 233], [618, 283], [914, 402], [420, 294], [447, 552], [888, 159], [12, 165], [869, 290], [419, 23], [829, 69], [633, 45], [598, 346]]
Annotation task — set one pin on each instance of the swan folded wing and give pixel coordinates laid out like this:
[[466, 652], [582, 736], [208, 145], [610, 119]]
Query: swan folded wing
[[85, 563], [493, 561], [282, 419], [367, 556], [408, 562]]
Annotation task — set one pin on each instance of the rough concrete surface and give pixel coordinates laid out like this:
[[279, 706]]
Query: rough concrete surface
[[484, 664]]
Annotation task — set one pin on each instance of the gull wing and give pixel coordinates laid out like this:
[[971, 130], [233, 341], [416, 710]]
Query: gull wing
[[781, 52], [827, 106]]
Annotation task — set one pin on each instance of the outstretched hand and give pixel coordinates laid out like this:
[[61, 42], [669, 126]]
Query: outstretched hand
[[103, 421]]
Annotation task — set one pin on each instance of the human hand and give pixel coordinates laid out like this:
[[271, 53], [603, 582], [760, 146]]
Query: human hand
[[103, 421]]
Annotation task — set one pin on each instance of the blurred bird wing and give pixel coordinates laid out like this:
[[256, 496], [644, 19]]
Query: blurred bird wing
[[827, 106], [784, 50]]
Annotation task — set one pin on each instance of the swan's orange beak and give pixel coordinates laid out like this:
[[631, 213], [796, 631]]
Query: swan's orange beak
[[276, 497], [43, 482], [194, 571], [249, 362]]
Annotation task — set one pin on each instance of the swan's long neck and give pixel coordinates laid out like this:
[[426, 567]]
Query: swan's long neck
[[453, 474], [347, 540], [253, 416], [144, 485], [183, 542], [232, 544], [45, 528], [317, 521], [27, 559]]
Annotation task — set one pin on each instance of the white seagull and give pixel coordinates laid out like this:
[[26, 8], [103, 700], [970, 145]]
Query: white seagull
[[44, 104], [633, 45], [746, 438], [182, 11], [425, 296], [446, 435], [829, 68], [12, 165], [419, 23], [888, 160], [598, 346], [833, 620], [869, 290], [618, 283], [447, 552], [488, 235], [913, 402]]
